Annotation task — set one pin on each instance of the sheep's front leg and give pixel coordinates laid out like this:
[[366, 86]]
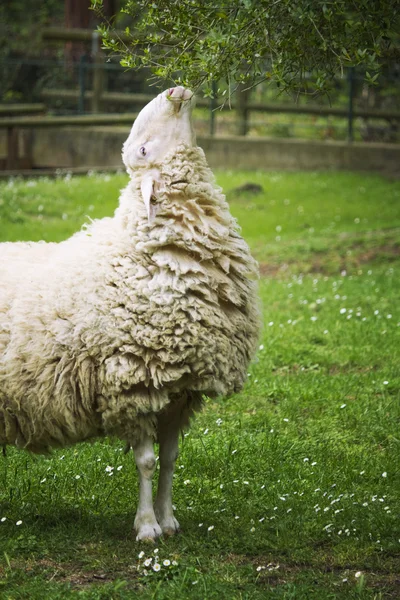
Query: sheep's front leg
[[146, 526], [168, 437]]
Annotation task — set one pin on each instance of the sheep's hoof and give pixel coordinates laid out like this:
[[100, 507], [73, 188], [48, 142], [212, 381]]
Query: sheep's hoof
[[170, 526], [148, 533]]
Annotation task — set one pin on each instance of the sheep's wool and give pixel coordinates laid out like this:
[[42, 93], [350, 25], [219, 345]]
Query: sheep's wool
[[101, 332]]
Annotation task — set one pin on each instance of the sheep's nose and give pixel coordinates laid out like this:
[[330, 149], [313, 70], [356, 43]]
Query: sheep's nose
[[180, 93]]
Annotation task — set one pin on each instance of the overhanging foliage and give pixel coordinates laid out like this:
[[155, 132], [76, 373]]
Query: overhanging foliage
[[196, 42]]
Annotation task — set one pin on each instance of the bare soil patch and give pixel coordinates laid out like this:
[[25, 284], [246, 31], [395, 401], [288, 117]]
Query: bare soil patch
[[331, 263]]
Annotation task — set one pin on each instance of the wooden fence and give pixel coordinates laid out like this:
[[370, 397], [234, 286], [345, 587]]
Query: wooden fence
[[99, 97], [19, 127]]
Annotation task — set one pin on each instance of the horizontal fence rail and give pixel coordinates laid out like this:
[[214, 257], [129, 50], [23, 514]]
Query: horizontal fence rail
[[21, 109], [309, 109], [62, 34], [68, 121]]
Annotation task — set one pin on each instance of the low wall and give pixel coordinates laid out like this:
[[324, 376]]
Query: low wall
[[271, 153], [73, 147]]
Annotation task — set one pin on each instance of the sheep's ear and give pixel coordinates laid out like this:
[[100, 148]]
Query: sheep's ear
[[147, 187]]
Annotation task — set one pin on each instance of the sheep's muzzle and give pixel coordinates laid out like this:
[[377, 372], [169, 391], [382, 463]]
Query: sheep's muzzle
[[179, 95]]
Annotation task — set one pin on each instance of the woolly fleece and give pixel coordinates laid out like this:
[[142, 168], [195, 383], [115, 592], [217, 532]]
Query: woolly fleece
[[101, 332]]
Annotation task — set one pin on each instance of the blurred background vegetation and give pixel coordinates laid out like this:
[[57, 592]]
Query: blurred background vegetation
[[38, 64]]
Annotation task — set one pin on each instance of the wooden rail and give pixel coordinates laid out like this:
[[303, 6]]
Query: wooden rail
[[62, 34], [108, 97], [21, 109], [308, 109], [68, 121]]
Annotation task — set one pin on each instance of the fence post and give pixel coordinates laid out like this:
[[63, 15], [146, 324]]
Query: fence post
[[212, 108], [98, 73], [82, 82], [350, 132], [12, 148], [242, 96]]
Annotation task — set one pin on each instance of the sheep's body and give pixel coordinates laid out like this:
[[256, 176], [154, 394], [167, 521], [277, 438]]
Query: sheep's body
[[100, 330], [112, 329]]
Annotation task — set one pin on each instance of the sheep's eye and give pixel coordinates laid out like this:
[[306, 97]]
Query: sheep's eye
[[142, 151]]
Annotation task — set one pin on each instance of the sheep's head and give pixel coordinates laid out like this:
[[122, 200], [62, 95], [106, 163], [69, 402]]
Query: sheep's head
[[160, 127]]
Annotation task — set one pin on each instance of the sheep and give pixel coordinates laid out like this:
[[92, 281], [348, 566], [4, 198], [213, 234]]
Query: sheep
[[125, 327]]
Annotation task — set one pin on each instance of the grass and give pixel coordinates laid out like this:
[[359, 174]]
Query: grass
[[288, 490]]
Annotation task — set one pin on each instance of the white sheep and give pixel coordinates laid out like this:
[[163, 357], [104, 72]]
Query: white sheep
[[123, 328]]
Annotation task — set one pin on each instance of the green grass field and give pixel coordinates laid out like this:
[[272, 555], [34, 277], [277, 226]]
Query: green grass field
[[289, 490]]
